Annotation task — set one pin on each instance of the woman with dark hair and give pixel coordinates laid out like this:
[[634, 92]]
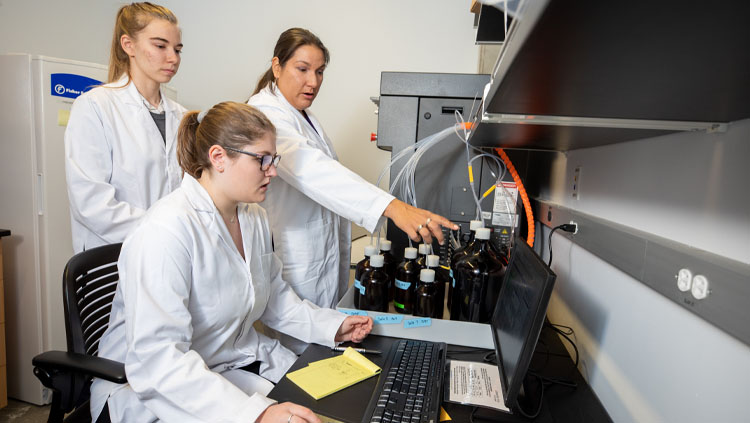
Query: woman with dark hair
[[195, 275], [121, 137], [314, 198]]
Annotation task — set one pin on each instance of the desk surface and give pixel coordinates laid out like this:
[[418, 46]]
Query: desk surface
[[561, 403]]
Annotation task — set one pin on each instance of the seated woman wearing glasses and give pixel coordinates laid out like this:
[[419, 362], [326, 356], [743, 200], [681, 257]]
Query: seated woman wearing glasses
[[194, 277]]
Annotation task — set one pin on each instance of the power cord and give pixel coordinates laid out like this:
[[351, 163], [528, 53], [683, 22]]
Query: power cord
[[566, 334], [535, 414], [567, 227]]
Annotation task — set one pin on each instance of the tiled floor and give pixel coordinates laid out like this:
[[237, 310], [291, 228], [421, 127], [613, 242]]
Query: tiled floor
[[22, 412]]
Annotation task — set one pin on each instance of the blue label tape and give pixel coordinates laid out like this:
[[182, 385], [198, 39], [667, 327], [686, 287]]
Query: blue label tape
[[353, 312], [71, 85], [417, 323], [402, 285], [388, 320]]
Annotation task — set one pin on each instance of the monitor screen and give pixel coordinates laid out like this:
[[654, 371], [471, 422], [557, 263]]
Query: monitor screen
[[519, 315]]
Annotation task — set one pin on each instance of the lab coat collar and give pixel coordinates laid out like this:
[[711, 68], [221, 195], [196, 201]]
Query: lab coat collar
[[274, 89], [202, 203], [134, 98], [198, 196], [316, 133]]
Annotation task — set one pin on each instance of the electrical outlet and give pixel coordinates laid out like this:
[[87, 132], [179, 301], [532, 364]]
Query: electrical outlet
[[700, 287], [576, 183], [684, 280]]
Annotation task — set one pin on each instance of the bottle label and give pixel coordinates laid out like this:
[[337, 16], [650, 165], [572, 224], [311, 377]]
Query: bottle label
[[453, 280], [417, 323], [388, 319], [402, 285], [358, 285], [398, 304]]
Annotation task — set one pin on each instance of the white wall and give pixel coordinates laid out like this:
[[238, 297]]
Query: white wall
[[229, 44], [648, 358]]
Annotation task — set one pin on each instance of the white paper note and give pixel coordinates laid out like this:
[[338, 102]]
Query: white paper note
[[476, 384]]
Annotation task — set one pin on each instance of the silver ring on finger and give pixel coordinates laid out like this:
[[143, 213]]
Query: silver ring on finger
[[419, 228], [289, 420], [428, 221]]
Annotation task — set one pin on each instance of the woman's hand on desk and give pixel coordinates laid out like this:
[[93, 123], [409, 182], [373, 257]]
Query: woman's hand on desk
[[354, 328], [287, 412], [417, 223]]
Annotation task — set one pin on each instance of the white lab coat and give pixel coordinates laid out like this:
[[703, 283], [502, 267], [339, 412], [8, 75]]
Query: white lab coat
[[183, 314], [311, 203], [116, 162]]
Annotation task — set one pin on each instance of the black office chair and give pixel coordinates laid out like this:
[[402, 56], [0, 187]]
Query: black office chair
[[89, 283]]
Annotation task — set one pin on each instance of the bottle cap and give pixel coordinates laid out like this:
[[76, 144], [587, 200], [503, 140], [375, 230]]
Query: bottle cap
[[376, 260], [385, 245], [427, 275], [476, 224], [424, 249], [371, 250], [432, 260], [483, 233], [410, 252]]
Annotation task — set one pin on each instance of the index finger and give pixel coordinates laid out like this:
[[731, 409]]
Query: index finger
[[436, 230]]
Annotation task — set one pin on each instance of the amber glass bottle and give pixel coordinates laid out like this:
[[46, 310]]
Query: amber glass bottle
[[375, 283], [426, 301], [478, 282], [362, 265], [407, 275], [460, 253], [390, 264], [441, 280]]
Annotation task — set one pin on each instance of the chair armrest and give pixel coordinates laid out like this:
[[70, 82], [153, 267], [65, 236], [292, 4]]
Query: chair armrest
[[103, 368]]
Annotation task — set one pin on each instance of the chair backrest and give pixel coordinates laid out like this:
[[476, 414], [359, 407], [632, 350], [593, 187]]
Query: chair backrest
[[89, 283]]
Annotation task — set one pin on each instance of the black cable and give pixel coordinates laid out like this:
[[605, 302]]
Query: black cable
[[565, 335], [569, 330], [567, 227], [541, 401]]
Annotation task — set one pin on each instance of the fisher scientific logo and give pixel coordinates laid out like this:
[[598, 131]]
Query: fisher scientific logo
[[71, 85]]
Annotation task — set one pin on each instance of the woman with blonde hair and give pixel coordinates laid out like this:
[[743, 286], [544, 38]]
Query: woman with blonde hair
[[121, 137], [195, 275]]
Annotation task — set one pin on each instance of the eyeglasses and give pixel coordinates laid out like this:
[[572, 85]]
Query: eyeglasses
[[266, 160]]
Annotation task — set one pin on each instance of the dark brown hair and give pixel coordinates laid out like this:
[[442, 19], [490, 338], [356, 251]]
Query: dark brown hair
[[130, 20], [228, 124], [289, 41]]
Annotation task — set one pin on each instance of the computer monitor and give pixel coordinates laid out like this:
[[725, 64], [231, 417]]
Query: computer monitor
[[518, 317]]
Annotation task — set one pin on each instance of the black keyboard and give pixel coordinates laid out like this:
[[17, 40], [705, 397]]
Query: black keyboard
[[410, 387]]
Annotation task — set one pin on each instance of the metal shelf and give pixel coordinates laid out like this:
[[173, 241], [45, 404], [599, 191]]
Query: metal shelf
[[588, 73]]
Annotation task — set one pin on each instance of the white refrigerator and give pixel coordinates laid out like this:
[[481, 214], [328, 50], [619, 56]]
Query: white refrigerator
[[35, 95]]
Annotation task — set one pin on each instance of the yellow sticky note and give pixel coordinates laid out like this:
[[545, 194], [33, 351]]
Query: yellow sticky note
[[444, 417], [324, 377], [62, 117]]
